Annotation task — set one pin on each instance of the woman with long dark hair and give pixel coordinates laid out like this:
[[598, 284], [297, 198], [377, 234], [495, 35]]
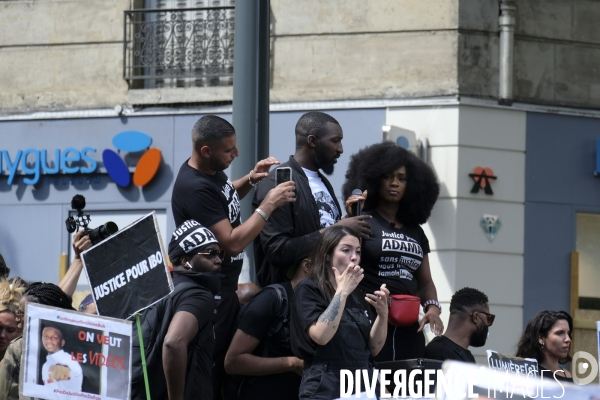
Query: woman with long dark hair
[[332, 326], [547, 338], [399, 193]]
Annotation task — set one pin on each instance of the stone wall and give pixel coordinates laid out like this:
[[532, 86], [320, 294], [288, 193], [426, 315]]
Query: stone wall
[[68, 54]]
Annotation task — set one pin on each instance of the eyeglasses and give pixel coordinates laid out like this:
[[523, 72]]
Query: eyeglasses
[[212, 253], [490, 317]]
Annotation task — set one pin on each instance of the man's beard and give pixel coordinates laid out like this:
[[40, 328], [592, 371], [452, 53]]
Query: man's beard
[[479, 337], [322, 163], [215, 165]]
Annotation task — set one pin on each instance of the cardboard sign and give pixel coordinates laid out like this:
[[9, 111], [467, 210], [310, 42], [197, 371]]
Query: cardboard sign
[[127, 271], [502, 362], [70, 355]]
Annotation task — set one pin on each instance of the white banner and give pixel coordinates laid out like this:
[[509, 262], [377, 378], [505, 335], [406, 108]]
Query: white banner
[[71, 355]]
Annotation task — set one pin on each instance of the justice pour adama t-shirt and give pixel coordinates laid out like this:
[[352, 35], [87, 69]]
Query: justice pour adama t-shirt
[[328, 211], [392, 256]]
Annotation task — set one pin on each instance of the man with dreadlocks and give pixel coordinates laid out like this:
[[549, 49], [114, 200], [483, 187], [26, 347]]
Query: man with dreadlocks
[[38, 292]]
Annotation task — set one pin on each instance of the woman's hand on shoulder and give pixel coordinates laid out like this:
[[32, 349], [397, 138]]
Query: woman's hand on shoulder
[[349, 279], [379, 300]]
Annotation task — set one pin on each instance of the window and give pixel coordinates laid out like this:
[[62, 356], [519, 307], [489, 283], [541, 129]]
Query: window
[[179, 43]]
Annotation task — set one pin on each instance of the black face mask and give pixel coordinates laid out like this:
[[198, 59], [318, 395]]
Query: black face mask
[[209, 280], [479, 337]]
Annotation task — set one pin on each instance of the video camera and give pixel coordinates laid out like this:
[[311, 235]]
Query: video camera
[[82, 220]]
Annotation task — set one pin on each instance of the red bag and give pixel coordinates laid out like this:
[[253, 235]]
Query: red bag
[[404, 309]]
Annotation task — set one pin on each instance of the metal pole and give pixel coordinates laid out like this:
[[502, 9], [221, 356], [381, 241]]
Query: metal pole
[[507, 33], [250, 94]]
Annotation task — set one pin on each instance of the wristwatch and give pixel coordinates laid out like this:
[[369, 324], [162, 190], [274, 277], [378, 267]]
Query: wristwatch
[[432, 302]]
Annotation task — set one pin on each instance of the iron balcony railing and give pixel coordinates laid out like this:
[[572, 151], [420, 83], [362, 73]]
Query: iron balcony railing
[[171, 47]]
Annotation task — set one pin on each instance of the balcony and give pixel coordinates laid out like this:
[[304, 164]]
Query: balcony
[[174, 48]]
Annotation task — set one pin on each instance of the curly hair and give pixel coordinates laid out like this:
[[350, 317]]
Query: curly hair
[[320, 268], [538, 327], [367, 167], [10, 295], [467, 297]]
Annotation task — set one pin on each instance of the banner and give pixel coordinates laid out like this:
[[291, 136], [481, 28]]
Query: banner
[[502, 362], [127, 271], [70, 355]]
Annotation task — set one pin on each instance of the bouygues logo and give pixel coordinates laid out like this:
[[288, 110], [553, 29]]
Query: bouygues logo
[[32, 163], [132, 142]]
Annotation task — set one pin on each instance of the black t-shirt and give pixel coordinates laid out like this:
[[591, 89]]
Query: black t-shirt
[[259, 316], [392, 256], [308, 305], [198, 301], [442, 348], [209, 199]]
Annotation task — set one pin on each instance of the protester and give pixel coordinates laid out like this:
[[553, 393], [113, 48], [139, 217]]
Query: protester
[[10, 295], [547, 338], [260, 349], [38, 292], [468, 325], [293, 229], [203, 192], [59, 371], [332, 326], [180, 326], [68, 283], [399, 193]]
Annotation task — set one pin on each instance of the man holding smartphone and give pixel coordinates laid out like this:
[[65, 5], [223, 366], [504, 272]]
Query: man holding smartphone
[[293, 229], [202, 192]]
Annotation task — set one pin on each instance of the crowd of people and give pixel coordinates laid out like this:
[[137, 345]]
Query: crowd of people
[[331, 285]]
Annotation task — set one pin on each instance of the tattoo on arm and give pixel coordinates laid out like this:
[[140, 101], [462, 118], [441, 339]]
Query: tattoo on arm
[[332, 311]]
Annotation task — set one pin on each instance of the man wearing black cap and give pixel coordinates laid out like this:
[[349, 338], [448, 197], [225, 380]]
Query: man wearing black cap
[[180, 326]]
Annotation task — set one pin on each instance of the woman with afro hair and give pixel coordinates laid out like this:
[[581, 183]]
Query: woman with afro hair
[[399, 191]]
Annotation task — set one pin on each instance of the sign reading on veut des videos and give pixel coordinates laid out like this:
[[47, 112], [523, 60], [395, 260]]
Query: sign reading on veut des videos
[[70, 355], [127, 271], [502, 362]]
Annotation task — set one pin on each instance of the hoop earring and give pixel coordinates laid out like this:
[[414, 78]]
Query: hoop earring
[[188, 265]]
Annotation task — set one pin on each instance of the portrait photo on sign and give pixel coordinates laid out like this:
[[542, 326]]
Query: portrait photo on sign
[[73, 355]]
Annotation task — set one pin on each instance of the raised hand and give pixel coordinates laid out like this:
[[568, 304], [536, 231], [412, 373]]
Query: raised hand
[[353, 200], [348, 280], [379, 300], [261, 170]]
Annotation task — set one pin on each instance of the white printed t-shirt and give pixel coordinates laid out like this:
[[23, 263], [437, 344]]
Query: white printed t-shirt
[[328, 211]]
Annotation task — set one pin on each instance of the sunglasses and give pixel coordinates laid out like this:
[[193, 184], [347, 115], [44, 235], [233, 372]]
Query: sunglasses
[[490, 317], [214, 253]]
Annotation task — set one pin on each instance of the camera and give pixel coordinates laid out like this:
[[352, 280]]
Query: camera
[[82, 220]]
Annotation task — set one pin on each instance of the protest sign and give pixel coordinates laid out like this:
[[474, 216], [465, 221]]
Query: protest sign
[[70, 355], [127, 271], [502, 362]]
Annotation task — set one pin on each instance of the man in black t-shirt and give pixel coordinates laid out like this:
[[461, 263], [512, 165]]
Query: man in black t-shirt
[[204, 193], [178, 330], [260, 350], [292, 231], [468, 326]]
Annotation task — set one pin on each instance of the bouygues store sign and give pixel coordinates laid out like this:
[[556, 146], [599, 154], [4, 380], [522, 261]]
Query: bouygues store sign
[[34, 163]]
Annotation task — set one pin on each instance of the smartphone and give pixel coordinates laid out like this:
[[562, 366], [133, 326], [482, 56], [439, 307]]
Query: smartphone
[[284, 174]]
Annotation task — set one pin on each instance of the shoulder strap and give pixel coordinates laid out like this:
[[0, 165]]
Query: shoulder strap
[[206, 331]]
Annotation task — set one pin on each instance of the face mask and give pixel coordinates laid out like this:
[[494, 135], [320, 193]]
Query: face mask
[[479, 337]]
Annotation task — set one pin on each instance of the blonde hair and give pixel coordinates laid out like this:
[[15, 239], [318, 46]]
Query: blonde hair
[[10, 295]]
